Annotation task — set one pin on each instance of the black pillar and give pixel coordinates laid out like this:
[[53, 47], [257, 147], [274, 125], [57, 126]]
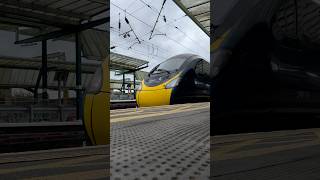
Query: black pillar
[[59, 91], [123, 83], [78, 76], [35, 94], [44, 69], [134, 84]]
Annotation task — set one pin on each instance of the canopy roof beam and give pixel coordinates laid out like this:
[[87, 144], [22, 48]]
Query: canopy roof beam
[[64, 32], [35, 17], [37, 7], [192, 17]]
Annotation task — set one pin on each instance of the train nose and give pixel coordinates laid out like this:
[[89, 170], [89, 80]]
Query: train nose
[[96, 116], [153, 96]]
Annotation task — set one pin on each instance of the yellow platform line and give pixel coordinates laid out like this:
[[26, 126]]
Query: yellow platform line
[[127, 113], [115, 111], [134, 111], [139, 110], [178, 110], [149, 109]]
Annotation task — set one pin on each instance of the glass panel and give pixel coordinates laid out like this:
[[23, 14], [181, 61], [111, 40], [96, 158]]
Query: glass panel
[[172, 64]]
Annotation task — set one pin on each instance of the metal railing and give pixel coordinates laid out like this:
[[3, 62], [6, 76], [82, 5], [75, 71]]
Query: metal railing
[[44, 111]]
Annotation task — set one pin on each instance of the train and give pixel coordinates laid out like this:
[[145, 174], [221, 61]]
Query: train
[[96, 108], [180, 79], [183, 78], [265, 66]]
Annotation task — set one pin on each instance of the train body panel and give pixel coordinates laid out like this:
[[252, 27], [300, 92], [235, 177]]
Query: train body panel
[[154, 98]]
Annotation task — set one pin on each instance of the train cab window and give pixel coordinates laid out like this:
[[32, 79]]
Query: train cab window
[[202, 68], [171, 65], [199, 68], [202, 71], [206, 68]]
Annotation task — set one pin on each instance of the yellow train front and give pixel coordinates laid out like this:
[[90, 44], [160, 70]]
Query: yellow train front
[[180, 79], [97, 107]]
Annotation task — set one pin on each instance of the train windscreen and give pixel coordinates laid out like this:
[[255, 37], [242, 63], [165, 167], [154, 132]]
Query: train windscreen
[[170, 65]]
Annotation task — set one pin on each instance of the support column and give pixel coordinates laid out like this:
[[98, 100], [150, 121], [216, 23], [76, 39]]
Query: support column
[[59, 97], [134, 85], [123, 83], [65, 92], [35, 94], [44, 70], [78, 76], [59, 91]]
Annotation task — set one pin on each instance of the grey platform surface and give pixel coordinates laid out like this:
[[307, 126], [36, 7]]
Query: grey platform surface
[[71, 163], [168, 142], [293, 155]]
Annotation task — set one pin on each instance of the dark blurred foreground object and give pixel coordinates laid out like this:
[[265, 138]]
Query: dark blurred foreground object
[[265, 65]]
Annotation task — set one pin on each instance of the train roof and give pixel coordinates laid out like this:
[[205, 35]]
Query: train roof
[[186, 56]]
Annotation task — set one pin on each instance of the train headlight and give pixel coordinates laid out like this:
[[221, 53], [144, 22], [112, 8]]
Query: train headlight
[[173, 83]]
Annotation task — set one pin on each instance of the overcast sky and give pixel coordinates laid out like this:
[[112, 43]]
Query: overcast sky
[[188, 38]]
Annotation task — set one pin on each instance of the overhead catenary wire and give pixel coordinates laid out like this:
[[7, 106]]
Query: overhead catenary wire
[[185, 34], [127, 21], [119, 25], [131, 4], [148, 44], [169, 24], [151, 27], [137, 51], [150, 6], [154, 26]]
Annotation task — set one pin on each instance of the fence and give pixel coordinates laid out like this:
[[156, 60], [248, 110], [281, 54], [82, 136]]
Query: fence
[[37, 113]]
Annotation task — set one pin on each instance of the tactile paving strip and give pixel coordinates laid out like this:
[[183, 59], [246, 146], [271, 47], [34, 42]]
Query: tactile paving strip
[[174, 146]]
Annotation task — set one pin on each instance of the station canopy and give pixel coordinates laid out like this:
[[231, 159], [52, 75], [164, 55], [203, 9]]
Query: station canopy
[[122, 62], [23, 72], [39, 18], [44, 14], [53, 19], [54, 64], [198, 11]]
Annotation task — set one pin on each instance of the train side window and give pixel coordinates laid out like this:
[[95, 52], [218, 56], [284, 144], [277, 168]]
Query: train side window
[[199, 68], [206, 68]]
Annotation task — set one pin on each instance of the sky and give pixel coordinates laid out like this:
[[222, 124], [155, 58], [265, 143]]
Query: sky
[[188, 38]]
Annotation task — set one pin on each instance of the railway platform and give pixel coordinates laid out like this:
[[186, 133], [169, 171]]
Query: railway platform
[[290, 154], [163, 142]]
